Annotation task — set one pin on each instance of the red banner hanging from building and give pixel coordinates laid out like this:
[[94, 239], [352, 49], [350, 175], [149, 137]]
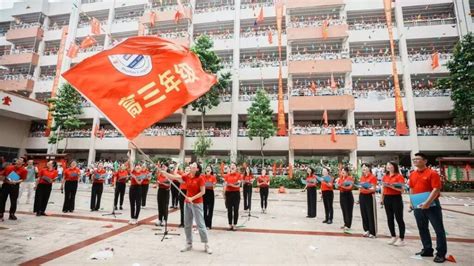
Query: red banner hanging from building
[[401, 125], [59, 64], [279, 5]]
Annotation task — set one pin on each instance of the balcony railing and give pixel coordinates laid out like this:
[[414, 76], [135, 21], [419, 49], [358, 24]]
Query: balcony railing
[[426, 56], [313, 22], [318, 56], [429, 21]]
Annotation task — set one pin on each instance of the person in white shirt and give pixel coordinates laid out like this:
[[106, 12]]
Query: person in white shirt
[[29, 183]]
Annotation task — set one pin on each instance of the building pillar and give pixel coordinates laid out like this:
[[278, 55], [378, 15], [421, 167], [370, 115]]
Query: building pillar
[[463, 17], [235, 85], [37, 70], [353, 158], [133, 156], [410, 106]]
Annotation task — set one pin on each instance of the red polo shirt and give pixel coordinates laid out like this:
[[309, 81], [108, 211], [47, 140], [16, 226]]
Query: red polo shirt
[[392, 179], [247, 179], [210, 179], [232, 178], [146, 181], [263, 180], [163, 182], [194, 185], [72, 174], [370, 178], [341, 181], [51, 174], [311, 181], [183, 185], [424, 181], [134, 176], [121, 176], [21, 171], [325, 186], [99, 173]]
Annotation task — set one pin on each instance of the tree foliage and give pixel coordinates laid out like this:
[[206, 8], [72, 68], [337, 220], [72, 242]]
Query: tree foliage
[[461, 83], [259, 123], [65, 109]]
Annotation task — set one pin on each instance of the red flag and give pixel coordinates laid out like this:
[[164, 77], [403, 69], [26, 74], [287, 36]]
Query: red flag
[[73, 50], [180, 12], [152, 18], [325, 29], [95, 26], [325, 118], [274, 168], [88, 42], [313, 87], [290, 171], [260, 17], [140, 81], [333, 135], [333, 83], [270, 37], [434, 60], [280, 169]]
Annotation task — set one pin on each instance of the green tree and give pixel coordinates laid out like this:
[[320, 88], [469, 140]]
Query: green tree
[[65, 109], [461, 83], [210, 63], [259, 122]]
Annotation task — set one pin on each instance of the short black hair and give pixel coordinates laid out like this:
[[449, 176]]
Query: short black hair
[[312, 170], [347, 169], [422, 155]]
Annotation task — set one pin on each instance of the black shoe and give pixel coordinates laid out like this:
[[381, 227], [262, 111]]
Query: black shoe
[[325, 221], [12, 217], [65, 211], [1, 217], [425, 253], [43, 214], [439, 259], [115, 208], [181, 226], [121, 208], [71, 211], [38, 214], [92, 210], [330, 222]]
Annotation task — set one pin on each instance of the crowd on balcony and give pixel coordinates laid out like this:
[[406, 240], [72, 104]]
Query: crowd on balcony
[[375, 131], [312, 129], [15, 76], [164, 131], [58, 26], [173, 34], [248, 93], [268, 60], [422, 88], [22, 25], [370, 55], [323, 52], [95, 48], [208, 132], [225, 95], [221, 34], [424, 54], [18, 49], [132, 17], [446, 130], [319, 87], [168, 5], [261, 31], [315, 21], [432, 19], [52, 50], [253, 4], [85, 22], [214, 6], [368, 23], [46, 77]]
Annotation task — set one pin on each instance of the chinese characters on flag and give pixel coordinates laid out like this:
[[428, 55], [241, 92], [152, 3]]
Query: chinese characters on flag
[[140, 81]]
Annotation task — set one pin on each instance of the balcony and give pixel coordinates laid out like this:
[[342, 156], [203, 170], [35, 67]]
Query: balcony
[[218, 143], [313, 3], [382, 68], [335, 31], [323, 142], [443, 143], [256, 73], [383, 143], [162, 16], [202, 16], [111, 144], [17, 85], [19, 59], [366, 105], [14, 35], [271, 144], [376, 34], [261, 41], [310, 103], [421, 32], [159, 142], [434, 104], [320, 66], [424, 66]]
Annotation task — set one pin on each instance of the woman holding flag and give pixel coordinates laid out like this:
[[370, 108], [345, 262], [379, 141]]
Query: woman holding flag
[[232, 182], [135, 193], [368, 185], [263, 182], [209, 197], [345, 184], [98, 178], [69, 184], [195, 185]]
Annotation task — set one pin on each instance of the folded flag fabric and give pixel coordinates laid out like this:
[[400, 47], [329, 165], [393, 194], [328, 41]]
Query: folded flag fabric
[[347, 183], [98, 176], [364, 185], [47, 179], [209, 184], [395, 185], [13, 176], [326, 179], [418, 199]]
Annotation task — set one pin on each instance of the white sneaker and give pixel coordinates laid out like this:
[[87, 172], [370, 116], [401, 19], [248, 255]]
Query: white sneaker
[[399, 243], [372, 236], [188, 247], [392, 241], [207, 249], [366, 234], [157, 223], [143, 207], [131, 221]]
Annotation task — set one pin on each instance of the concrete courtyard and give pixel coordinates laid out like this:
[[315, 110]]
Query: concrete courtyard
[[282, 236]]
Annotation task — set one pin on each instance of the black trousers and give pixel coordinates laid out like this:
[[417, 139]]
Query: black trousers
[[247, 197], [70, 189], [174, 195], [209, 200], [433, 215], [328, 199], [96, 195], [119, 191], [368, 212], [393, 205], [144, 194], [43, 191], [163, 198], [181, 206], [232, 204], [311, 200], [6, 191], [135, 195], [263, 197], [347, 207]]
